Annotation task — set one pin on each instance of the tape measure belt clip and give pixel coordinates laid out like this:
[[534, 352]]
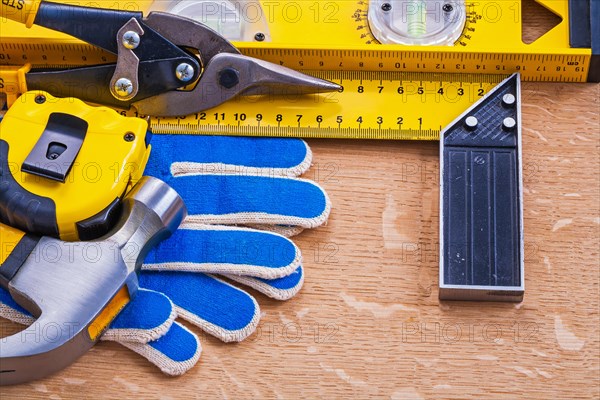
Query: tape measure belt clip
[[56, 150]]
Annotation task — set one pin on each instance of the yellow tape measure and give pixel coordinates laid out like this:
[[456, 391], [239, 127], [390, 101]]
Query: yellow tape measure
[[372, 105]]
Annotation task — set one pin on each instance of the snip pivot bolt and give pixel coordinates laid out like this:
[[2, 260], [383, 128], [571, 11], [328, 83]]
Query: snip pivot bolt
[[123, 87], [184, 72], [131, 40]]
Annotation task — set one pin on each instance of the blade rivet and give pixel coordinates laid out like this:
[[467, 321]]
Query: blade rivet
[[123, 87], [229, 78], [184, 72], [259, 37], [386, 7], [447, 8], [131, 40]]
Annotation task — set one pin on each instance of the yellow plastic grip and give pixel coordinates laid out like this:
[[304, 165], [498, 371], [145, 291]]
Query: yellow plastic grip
[[22, 11], [12, 82], [9, 238]]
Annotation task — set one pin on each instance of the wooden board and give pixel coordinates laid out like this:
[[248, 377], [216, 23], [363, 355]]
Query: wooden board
[[368, 321]]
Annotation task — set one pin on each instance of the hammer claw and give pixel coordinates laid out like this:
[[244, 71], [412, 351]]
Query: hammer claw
[[71, 285]]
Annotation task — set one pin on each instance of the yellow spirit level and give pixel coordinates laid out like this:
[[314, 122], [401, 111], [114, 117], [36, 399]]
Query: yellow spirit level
[[343, 35]]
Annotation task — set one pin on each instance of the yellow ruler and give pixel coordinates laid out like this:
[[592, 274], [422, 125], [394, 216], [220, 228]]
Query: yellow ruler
[[372, 105]]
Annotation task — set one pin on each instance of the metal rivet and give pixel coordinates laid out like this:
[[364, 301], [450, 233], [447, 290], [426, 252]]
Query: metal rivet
[[40, 99], [259, 37], [508, 100], [129, 137], [123, 87], [184, 72], [471, 123], [386, 7], [509, 124], [131, 40], [229, 77], [447, 8]]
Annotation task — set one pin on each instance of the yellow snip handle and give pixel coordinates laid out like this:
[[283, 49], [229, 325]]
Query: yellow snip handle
[[12, 81], [22, 11]]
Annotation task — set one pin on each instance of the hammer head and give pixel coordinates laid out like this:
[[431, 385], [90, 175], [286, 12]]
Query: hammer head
[[77, 288]]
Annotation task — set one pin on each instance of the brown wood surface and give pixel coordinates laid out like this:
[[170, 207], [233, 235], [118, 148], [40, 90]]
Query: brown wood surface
[[368, 321]]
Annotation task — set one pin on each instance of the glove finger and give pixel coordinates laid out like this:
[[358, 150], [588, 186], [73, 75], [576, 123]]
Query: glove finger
[[229, 199], [283, 230], [174, 353], [227, 155], [221, 249], [10, 310], [215, 306], [147, 317], [279, 289]]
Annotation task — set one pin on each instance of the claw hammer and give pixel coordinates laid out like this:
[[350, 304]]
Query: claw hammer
[[77, 288]]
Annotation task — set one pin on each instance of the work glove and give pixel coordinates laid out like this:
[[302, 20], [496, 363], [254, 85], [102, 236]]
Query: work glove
[[244, 199], [146, 325]]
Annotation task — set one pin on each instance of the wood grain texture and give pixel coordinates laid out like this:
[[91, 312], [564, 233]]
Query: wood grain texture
[[368, 321]]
